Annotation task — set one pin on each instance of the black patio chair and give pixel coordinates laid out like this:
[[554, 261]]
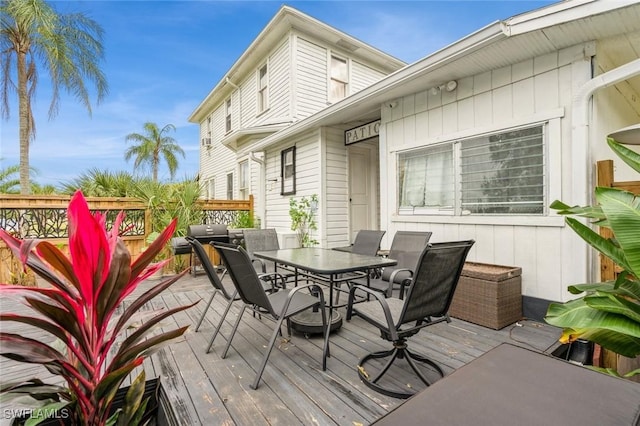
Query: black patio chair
[[278, 306], [406, 248], [264, 240], [367, 242], [228, 291], [429, 295]]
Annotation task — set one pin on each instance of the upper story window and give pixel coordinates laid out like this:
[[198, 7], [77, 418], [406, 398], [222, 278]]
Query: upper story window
[[227, 115], [230, 186], [211, 189], [502, 174], [243, 178], [263, 80], [338, 79]]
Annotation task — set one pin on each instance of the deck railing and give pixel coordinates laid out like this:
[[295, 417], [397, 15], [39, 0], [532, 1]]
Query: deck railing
[[45, 217]]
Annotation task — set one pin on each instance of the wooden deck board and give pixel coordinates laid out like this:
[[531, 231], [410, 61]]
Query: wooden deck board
[[206, 389]]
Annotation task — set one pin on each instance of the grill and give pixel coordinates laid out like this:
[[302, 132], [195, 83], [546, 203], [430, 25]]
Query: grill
[[207, 233]]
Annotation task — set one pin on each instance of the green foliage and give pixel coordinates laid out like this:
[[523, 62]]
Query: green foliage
[[609, 312], [34, 35], [152, 147], [302, 214], [243, 219]]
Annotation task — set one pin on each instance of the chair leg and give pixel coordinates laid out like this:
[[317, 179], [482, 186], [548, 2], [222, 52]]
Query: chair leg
[[274, 336], [204, 313], [233, 332], [215, 333]]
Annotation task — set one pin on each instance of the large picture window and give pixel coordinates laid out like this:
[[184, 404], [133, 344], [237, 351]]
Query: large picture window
[[288, 171], [495, 174]]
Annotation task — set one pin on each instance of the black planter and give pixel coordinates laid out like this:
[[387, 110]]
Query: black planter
[[158, 410], [579, 352]]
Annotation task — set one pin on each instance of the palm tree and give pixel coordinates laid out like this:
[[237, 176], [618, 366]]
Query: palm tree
[[153, 145], [68, 45], [8, 181]]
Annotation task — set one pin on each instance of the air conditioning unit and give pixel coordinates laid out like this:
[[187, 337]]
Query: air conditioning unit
[[206, 141]]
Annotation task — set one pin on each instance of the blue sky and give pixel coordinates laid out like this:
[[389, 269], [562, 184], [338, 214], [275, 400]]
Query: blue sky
[[164, 57]]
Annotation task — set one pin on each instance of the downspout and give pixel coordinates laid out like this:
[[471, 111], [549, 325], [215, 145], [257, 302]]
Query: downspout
[[582, 182], [232, 84], [262, 186]]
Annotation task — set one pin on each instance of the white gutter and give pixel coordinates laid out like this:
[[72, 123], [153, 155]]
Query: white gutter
[[582, 181], [262, 185]]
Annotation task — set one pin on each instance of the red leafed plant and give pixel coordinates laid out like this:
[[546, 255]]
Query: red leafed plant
[[83, 310]]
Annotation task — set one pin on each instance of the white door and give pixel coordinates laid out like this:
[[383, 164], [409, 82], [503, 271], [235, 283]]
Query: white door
[[363, 187]]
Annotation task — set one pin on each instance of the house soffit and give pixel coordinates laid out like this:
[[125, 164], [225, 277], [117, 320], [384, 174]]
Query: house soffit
[[490, 48]]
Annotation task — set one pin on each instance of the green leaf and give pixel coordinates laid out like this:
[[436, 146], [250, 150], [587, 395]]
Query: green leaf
[[595, 240], [133, 401], [145, 347], [616, 305], [627, 155], [41, 414], [623, 211]]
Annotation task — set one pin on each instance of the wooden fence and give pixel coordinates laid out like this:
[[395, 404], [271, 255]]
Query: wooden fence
[[608, 269], [44, 217]]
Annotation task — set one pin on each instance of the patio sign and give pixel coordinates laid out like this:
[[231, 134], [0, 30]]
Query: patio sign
[[362, 133]]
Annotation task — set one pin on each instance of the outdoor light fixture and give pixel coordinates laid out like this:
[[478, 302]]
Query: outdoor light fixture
[[449, 87], [628, 135]]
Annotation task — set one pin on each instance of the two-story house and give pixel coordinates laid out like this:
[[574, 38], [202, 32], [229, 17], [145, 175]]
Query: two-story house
[[296, 67]]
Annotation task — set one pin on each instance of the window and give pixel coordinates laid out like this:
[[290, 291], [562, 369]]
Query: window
[[339, 79], [227, 125], [495, 174], [288, 171], [263, 78], [211, 189], [230, 186], [244, 180]]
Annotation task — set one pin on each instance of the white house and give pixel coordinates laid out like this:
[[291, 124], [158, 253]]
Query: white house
[[473, 141], [296, 67]]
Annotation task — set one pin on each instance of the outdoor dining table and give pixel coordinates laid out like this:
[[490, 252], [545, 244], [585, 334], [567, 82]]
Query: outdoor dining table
[[327, 266]]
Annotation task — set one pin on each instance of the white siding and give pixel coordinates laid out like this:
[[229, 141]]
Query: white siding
[[217, 160], [362, 76], [532, 91], [336, 189], [307, 182], [311, 78]]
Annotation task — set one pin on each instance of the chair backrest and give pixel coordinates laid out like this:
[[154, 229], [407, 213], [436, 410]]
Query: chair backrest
[[243, 275], [260, 240], [406, 248], [367, 242], [209, 269], [435, 280]]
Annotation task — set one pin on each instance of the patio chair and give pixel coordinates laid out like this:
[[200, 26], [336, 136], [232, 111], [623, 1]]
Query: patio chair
[[405, 248], [228, 291], [367, 242], [429, 294], [278, 306], [264, 240]]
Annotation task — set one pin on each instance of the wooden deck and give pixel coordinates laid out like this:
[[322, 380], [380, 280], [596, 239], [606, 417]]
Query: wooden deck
[[205, 389]]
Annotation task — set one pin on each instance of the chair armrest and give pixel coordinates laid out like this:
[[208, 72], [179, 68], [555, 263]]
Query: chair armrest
[[274, 282], [392, 278], [383, 302], [294, 290], [263, 266]]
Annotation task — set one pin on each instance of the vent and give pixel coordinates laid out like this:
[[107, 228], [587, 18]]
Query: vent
[[206, 141]]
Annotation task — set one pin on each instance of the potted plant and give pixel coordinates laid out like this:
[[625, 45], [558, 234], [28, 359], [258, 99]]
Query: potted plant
[[608, 313], [82, 308], [302, 214]]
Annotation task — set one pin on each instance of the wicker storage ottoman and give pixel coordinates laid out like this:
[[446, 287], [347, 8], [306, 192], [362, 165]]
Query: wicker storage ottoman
[[488, 295]]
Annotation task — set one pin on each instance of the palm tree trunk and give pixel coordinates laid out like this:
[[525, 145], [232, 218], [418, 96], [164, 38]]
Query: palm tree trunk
[[23, 112]]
